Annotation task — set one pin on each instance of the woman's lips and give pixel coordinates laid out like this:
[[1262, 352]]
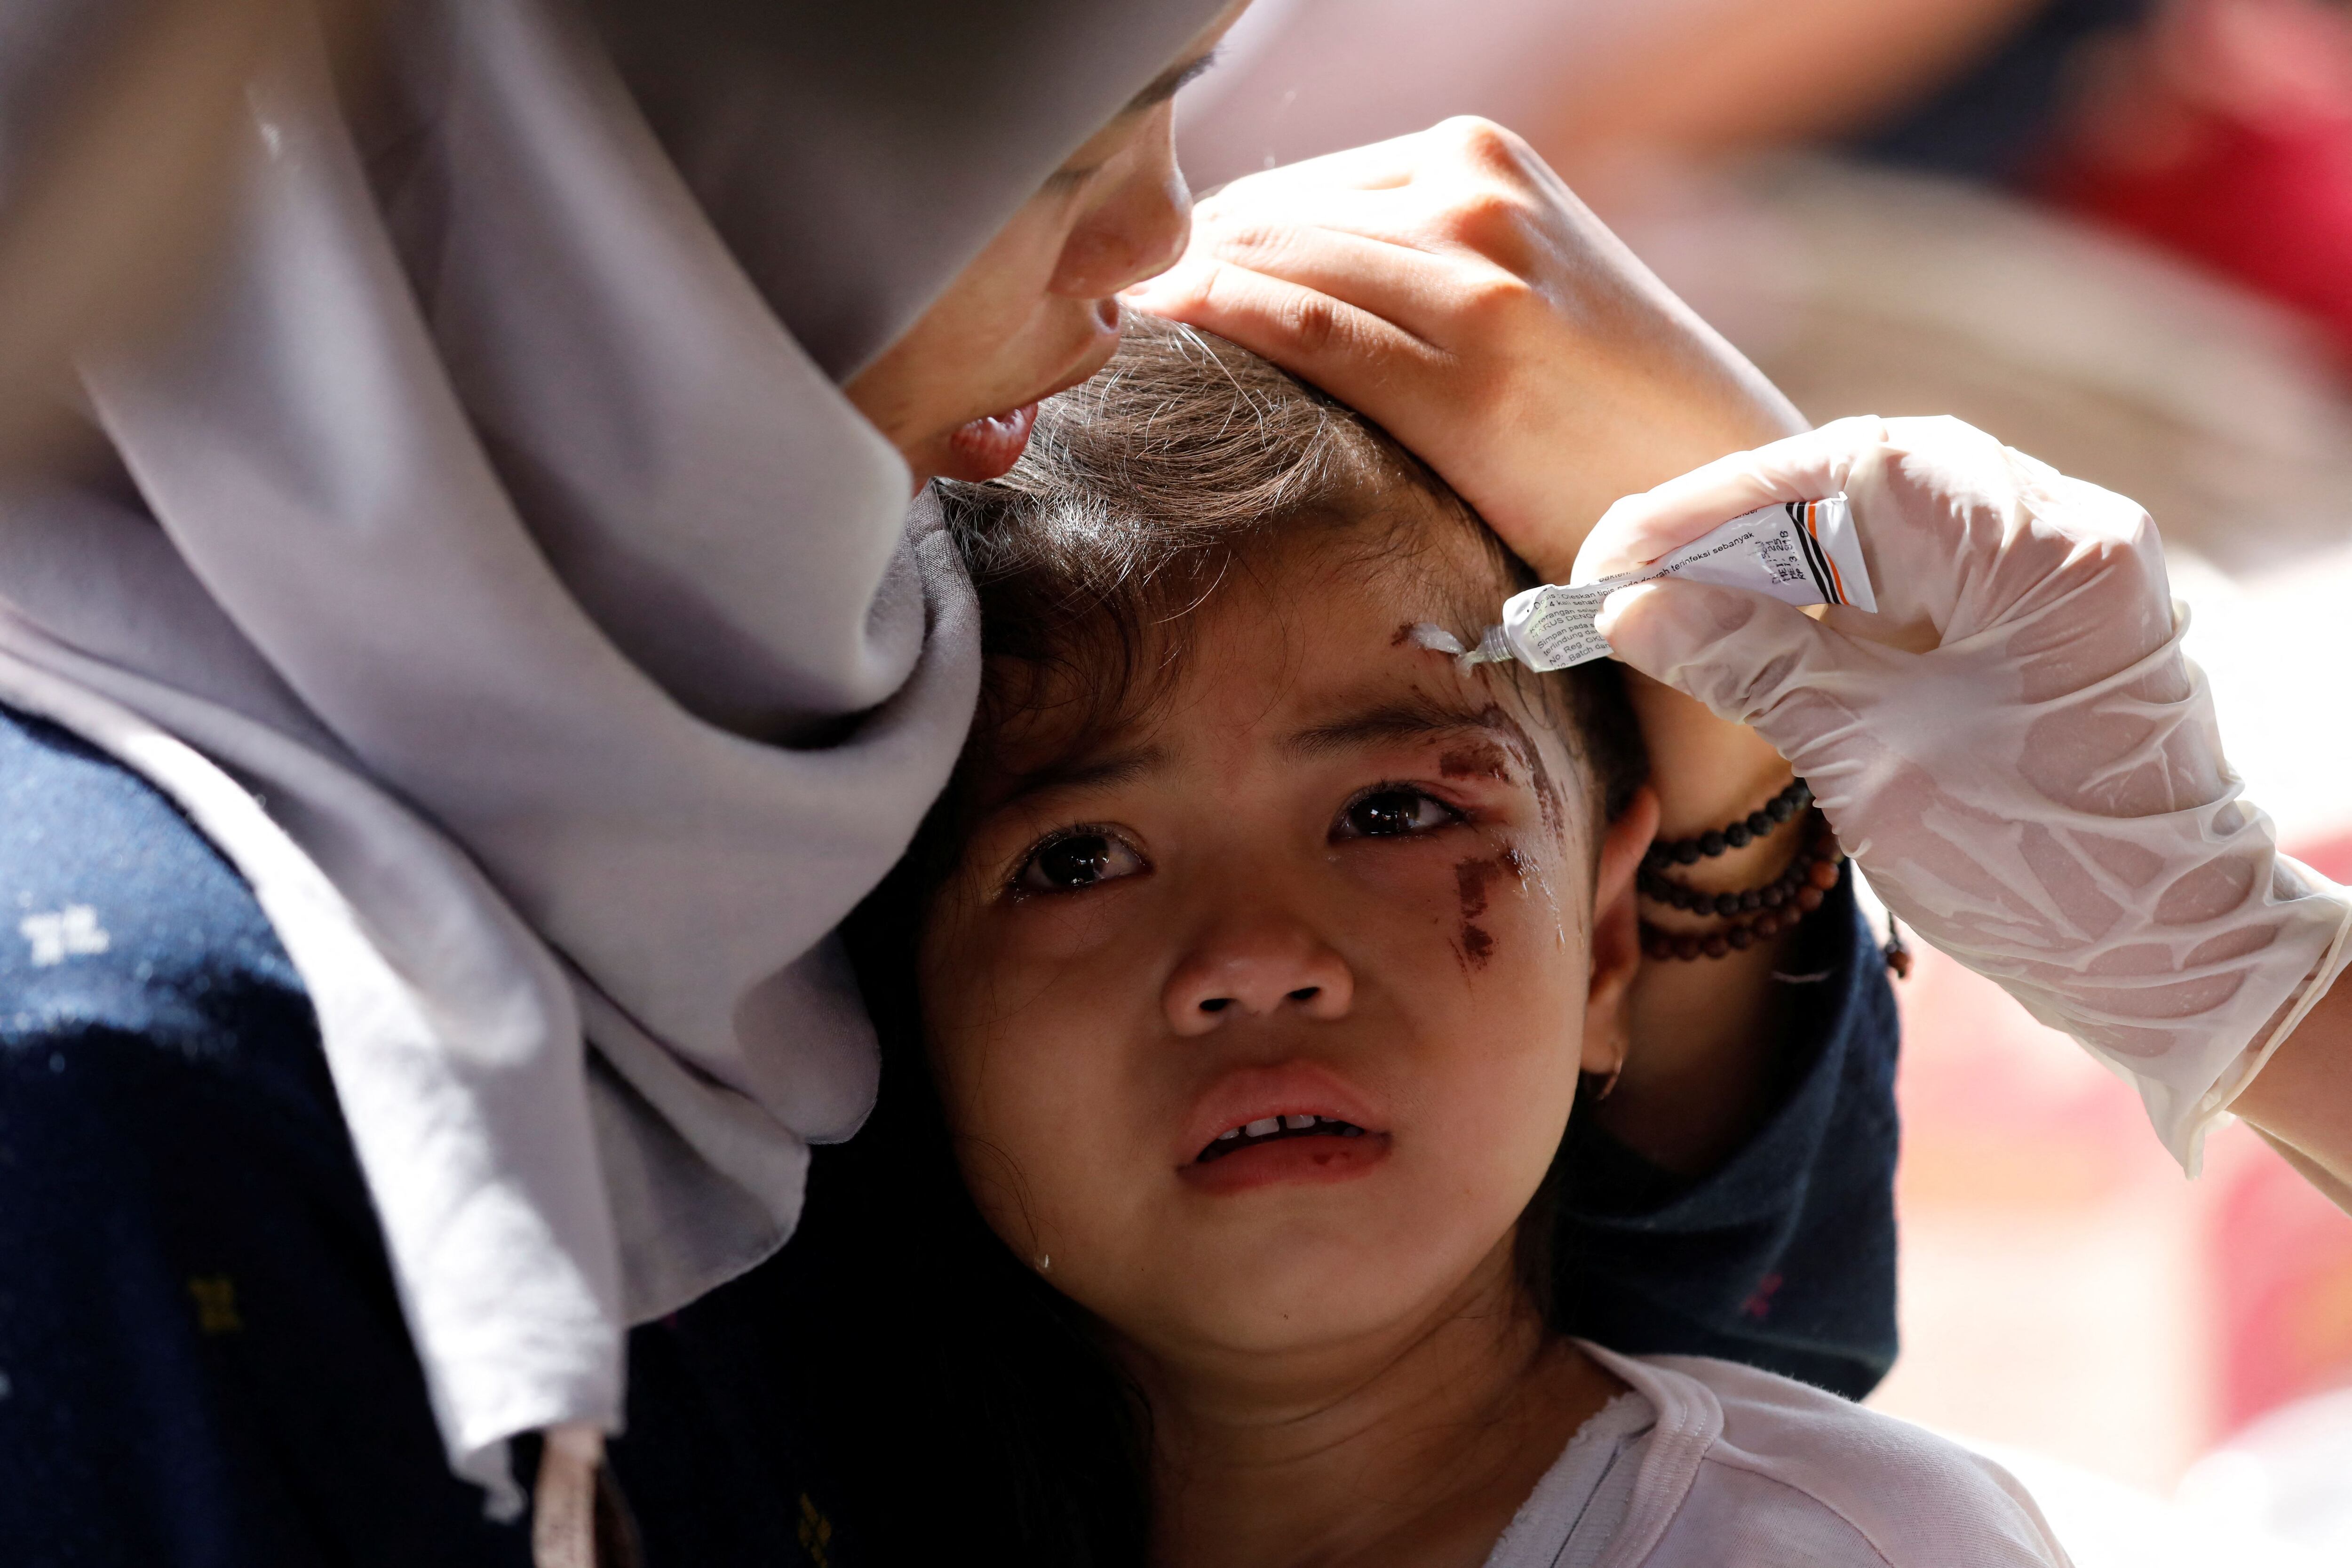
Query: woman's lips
[[987, 447]]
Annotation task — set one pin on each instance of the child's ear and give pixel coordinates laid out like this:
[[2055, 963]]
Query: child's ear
[[1616, 932]]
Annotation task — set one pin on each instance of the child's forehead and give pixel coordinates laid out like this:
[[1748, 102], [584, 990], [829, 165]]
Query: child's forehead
[[1300, 657]]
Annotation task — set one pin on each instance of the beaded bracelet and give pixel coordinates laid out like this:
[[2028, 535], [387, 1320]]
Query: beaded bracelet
[[1800, 890], [1737, 834]]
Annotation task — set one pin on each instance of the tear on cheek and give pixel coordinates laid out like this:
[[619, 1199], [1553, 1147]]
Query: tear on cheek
[[1531, 876]]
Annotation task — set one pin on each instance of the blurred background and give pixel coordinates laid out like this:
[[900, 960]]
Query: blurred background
[[2118, 234]]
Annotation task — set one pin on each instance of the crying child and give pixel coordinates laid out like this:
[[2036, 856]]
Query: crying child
[[1245, 983]]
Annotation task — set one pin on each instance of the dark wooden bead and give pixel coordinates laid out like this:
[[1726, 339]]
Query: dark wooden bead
[[1737, 836], [1751, 900], [1824, 875], [1727, 903], [1775, 895], [1710, 842], [1759, 824], [1809, 899], [1686, 948], [1715, 947], [1740, 936], [1686, 853]]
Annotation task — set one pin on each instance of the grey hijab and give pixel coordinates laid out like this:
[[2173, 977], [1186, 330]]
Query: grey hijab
[[495, 522]]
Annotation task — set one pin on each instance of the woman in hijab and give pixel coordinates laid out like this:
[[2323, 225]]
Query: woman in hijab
[[484, 652]]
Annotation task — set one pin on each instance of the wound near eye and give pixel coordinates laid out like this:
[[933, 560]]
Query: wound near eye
[[1480, 760], [1470, 880]]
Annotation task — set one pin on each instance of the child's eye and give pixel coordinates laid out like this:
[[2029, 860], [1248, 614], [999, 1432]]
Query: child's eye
[[1393, 811], [1078, 860]]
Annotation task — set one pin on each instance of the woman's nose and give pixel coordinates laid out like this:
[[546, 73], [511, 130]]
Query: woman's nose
[[1137, 230], [1258, 971]]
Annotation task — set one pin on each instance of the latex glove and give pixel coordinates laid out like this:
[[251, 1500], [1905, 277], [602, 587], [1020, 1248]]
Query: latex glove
[[2015, 748]]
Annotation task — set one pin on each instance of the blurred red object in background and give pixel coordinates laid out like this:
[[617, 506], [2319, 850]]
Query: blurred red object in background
[[2282, 1269], [2281, 1273], [2223, 133], [2064, 1288]]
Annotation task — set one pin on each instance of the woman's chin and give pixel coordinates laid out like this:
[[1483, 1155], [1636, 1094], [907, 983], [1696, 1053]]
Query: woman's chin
[[987, 447]]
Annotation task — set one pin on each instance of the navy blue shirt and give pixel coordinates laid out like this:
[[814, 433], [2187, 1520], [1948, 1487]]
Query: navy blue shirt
[[201, 1357]]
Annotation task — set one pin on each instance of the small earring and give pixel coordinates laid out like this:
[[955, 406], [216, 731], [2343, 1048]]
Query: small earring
[[1044, 1263]]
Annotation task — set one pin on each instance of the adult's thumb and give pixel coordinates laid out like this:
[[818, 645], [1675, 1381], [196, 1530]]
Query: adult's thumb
[[1742, 654]]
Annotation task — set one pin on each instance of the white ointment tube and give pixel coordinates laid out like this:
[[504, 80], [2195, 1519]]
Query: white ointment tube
[[1800, 553]]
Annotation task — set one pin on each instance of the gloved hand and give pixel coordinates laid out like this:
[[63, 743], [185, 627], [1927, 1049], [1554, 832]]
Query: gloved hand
[[2015, 748]]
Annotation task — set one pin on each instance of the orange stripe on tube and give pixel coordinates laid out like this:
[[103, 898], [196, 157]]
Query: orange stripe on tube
[[1836, 582]]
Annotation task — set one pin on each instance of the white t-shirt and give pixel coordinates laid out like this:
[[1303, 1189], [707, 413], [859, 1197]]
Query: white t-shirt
[[1706, 1464]]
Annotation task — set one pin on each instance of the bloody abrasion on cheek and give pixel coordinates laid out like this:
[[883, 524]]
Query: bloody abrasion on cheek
[[1470, 879]]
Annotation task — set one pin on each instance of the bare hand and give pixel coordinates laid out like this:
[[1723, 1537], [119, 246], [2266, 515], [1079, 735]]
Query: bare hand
[[1450, 287]]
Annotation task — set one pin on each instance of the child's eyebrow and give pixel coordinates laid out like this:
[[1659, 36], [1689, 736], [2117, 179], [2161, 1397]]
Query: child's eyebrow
[[1388, 721], [1097, 771]]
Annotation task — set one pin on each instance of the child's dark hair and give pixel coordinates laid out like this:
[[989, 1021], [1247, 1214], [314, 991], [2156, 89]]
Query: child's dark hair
[[975, 1402]]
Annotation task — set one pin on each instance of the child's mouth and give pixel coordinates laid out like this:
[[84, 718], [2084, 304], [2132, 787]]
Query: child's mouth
[[1289, 1124], [1274, 1129], [1323, 1151]]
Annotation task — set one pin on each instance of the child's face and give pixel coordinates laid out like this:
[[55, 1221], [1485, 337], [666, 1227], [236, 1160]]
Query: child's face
[[1330, 875]]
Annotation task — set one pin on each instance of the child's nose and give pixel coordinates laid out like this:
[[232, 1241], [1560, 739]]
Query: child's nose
[[1261, 972]]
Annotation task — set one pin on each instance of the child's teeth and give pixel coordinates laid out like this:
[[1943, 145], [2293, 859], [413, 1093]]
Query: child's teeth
[[1229, 1132], [1297, 1124], [1264, 1125]]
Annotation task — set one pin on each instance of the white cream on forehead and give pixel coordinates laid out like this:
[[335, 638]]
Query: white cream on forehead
[[1437, 639]]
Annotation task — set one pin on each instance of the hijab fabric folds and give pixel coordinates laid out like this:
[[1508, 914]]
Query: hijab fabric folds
[[497, 525]]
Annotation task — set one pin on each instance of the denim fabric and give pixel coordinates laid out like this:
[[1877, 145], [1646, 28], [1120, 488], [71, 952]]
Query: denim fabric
[[1784, 1257]]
